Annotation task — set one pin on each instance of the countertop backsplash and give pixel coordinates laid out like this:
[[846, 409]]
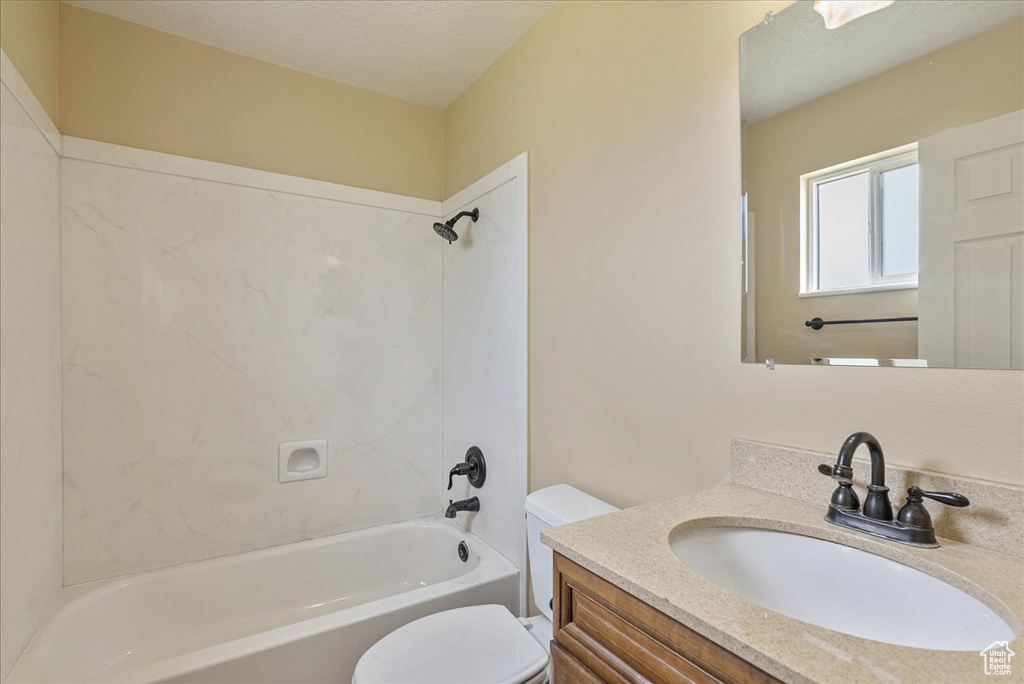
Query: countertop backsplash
[[992, 521]]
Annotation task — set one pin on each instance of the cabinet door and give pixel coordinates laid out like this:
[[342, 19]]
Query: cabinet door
[[568, 670], [615, 637]]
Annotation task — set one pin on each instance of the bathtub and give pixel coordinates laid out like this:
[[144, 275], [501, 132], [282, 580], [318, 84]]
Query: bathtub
[[304, 612]]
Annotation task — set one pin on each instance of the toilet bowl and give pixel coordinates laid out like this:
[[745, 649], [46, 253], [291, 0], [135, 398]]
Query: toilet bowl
[[485, 644]]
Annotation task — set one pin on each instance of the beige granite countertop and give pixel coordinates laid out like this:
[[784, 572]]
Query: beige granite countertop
[[632, 550]]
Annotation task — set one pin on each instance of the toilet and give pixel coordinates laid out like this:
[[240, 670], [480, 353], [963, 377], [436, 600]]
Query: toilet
[[485, 644]]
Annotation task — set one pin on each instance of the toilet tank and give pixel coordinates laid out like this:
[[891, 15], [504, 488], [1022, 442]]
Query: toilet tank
[[550, 507]]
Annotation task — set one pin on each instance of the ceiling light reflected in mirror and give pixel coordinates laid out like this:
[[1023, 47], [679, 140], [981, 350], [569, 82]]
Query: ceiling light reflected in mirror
[[839, 12]]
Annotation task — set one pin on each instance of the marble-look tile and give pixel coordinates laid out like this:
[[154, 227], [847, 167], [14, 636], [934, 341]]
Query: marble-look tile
[[485, 355], [30, 434], [992, 521], [205, 322]]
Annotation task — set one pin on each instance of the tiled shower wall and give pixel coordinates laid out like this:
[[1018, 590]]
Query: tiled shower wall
[[205, 321], [30, 448], [485, 355]]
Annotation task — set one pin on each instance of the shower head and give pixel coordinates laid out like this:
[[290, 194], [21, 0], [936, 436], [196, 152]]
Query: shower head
[[446, 232], [447, 229]]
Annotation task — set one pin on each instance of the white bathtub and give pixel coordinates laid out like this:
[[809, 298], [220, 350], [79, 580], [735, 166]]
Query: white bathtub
[[304, 612]]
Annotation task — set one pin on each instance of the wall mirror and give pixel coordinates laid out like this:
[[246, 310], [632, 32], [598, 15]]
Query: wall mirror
[[883, 219]]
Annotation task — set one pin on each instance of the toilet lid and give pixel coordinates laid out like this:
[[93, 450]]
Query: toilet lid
[[473, 645]]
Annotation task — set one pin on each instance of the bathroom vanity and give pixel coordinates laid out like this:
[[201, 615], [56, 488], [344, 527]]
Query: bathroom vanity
[[748, 582], [604, 634]]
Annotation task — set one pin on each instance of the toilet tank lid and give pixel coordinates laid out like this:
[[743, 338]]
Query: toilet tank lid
[[561, 504]]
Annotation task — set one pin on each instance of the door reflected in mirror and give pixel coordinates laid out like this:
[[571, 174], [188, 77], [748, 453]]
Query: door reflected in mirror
[[883, 213]]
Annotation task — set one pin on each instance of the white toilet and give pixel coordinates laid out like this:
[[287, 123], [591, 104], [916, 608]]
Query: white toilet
[[484, 644]]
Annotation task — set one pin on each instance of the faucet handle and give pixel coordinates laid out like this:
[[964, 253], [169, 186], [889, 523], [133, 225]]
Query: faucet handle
[[474, 466], [948, 498], [837, 472], [843, 497], [460, 469], [915, 514]]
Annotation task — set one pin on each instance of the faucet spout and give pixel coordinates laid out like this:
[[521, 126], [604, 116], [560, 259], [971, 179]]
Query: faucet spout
[[845, 457], [471, 505]]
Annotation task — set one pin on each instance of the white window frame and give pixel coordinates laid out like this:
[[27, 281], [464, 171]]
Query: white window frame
[[875, 164]]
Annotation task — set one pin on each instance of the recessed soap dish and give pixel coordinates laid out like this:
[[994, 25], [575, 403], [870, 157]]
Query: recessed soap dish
[[305, 460]]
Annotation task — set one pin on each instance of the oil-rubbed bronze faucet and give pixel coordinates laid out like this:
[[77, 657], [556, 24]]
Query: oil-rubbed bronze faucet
[[912, 525], [474, 468], [472, 505]]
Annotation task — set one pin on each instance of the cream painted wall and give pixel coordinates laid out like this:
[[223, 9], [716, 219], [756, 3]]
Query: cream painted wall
[[127, 84], [630, 112], [28, 34], [969, 81]]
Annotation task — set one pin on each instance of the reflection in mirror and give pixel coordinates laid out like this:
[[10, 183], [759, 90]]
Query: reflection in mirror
[[883, 217]]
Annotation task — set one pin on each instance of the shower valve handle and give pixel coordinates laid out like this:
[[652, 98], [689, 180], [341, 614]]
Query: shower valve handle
[[475, 467], [460, 469]]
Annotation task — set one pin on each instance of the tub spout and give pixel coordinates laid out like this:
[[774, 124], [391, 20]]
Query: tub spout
[[454, 507]]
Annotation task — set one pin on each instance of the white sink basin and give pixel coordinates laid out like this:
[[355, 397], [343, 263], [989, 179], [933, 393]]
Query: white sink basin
[[840, 588]]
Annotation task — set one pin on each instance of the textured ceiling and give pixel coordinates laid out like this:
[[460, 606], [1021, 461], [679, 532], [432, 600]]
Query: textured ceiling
[[794, 59], [422, 51]]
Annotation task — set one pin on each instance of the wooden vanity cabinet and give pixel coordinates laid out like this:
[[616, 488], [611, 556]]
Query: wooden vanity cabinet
[[602, 634]]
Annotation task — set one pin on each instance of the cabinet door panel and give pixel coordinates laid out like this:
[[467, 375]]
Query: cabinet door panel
[[652, 659], [568, 670]]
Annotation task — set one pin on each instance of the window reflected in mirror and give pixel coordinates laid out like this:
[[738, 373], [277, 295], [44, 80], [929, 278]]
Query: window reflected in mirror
[[861, 224]]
